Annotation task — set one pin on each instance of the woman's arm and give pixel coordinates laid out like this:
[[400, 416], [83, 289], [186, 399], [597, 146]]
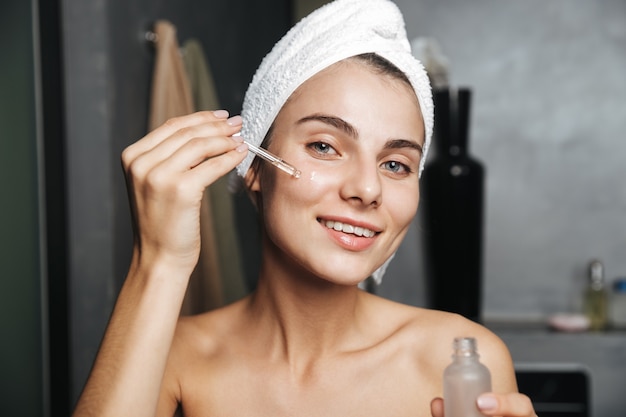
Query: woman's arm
[[167, 172]]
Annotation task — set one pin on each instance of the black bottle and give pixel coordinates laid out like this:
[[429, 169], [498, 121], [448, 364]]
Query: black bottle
[[452, 207]]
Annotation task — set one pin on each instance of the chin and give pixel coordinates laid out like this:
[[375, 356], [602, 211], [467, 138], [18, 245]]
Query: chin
[[351, 278]]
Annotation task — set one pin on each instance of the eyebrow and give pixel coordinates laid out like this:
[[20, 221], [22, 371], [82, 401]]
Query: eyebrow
[[333, 121], [403, 143], [353, 132]]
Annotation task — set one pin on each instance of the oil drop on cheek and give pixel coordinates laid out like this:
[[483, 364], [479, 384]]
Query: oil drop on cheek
[[321, 181]]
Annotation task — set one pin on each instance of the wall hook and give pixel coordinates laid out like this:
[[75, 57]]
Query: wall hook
[[151, 36]]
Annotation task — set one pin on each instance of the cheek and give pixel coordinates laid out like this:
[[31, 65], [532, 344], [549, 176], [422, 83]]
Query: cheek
[[404, 208], [283, 193], [318, 182], [315, 183]]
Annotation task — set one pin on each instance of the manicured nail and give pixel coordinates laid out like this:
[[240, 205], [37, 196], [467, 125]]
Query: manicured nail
[[234, 121], [220, 114], [487, 402], [242, 148], [237, 137]]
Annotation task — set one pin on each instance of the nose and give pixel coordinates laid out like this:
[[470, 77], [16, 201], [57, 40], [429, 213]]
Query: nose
[[363, 185]]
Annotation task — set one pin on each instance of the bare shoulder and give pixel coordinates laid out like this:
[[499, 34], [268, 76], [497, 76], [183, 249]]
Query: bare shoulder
[[205, 334], [201, 341], [440, 325], [430, 335], [198, 344]]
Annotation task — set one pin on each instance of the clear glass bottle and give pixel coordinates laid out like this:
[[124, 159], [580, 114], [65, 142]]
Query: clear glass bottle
[[596, 300], [464, 380]]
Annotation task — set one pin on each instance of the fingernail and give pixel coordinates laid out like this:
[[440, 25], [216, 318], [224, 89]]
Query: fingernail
[[237, 137], [234, 121], [487, 402], [242, 148], [220, 114]]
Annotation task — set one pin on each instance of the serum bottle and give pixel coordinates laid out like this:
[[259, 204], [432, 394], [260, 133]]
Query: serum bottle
[[464, 380], [596, 303]]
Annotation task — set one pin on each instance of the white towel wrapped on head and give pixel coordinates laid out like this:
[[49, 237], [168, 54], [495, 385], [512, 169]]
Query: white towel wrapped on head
[[336, 31]]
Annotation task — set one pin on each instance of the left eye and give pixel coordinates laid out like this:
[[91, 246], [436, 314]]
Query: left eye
[[396, 167], [321, 148]]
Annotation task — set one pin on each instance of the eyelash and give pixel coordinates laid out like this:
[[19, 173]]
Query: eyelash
[[315, 147]]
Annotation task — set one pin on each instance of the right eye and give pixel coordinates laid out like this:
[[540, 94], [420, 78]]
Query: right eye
[[321, 148]]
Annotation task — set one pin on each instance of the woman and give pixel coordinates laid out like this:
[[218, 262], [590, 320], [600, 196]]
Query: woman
[[307, 342]]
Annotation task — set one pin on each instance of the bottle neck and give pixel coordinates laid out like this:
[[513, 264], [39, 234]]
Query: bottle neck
[[465, 347], [596, 275], [452, 114]]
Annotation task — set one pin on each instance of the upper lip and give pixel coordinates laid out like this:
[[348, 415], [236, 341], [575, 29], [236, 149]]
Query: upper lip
[[352, 222]]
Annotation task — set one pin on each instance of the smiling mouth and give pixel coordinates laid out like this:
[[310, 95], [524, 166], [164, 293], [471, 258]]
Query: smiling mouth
[[348, 228]]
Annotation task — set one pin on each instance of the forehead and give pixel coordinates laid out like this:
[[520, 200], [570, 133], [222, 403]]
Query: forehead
[[353, 89], [348, 68]]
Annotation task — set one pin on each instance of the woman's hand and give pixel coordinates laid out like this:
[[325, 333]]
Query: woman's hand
[[167, 172], [490, 404]]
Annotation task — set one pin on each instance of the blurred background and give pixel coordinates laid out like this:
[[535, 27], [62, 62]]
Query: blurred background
[[547, 121]]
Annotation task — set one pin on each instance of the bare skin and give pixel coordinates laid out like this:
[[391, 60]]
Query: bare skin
[[389, 364], [307, 342]]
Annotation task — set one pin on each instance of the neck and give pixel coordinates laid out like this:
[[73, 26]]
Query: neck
[[304, 318]]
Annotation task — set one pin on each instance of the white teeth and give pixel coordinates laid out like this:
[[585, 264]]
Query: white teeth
[[348, 228]]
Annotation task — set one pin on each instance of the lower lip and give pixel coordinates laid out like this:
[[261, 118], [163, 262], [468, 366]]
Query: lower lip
[[350, 241]]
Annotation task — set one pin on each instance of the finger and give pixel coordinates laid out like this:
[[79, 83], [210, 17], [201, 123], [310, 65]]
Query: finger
[[436, 407], [211, 169], [197, 150], [203, 160], [174, 124], [510, 405], [168, 146], [164, 147], [209, 139], [167, 129]]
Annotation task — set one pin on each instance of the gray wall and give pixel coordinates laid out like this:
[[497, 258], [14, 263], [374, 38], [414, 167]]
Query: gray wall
[[21, 284], [549, 114]]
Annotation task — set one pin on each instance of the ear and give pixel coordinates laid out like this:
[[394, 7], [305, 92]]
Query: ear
[[251, 179], [253, 183]]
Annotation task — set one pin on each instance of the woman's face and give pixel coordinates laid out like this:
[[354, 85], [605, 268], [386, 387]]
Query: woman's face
[[356, 136]]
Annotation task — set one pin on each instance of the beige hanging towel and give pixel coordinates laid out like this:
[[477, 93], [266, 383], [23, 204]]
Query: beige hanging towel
[[171, 97], [220, 198], [171, 92]]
